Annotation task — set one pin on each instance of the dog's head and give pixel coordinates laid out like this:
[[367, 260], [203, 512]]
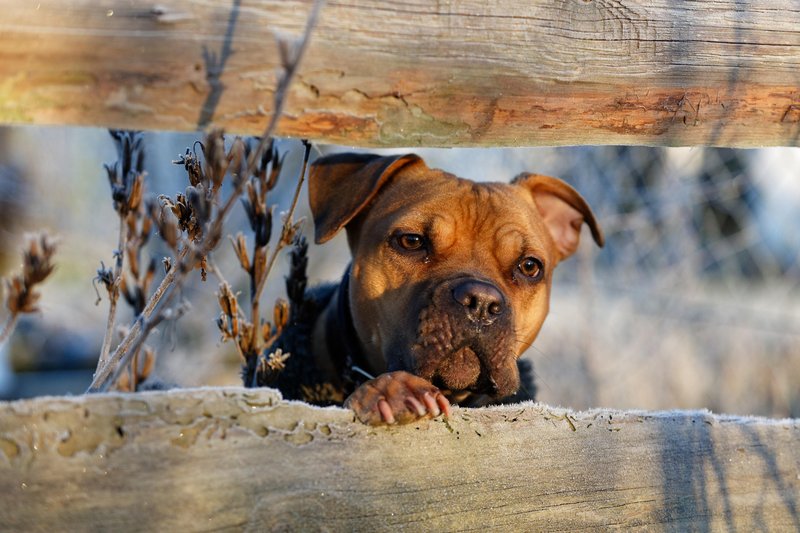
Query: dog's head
[[450, 279]]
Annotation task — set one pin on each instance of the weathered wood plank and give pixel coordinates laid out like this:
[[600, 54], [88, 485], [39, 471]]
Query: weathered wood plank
[[385, 73], [203, 459]]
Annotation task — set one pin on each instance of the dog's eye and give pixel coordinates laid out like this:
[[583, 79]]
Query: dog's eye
[[532, 268], [410, 241]]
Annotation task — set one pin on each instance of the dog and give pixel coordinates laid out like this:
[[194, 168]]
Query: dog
[[449, 284]]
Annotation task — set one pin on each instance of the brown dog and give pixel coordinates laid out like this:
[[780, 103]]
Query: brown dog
[[449, 283]]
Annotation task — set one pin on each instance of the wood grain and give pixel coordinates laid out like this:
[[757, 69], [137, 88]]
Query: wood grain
[[385, 73], [222, 459]]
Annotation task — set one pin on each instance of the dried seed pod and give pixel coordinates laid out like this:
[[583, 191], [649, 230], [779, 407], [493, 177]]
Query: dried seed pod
[[37, 260], [132, 253], [149, 275], [266, 332], [124, 288], [145, 228], [277, 165], [168, 230], [240, 249], [126, 174], [191, 164], [136, 192], [252, 206], [259, 265], [290, 231], [224, 328], [237, 161], [263, 229], [18, 298], [227, 300], [280, 313], [246, 344], [105, 276], [198, 204], [260, 169], [21, 297], [131, 221], [203, 268], [216, 159]]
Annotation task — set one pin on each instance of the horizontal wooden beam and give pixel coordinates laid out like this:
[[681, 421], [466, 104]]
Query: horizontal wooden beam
[[387, 73], [220, 459]]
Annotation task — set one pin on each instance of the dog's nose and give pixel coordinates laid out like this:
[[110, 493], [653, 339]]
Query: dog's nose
[[482, 301]]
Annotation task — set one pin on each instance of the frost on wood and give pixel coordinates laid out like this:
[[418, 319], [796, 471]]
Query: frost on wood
[[232, 458]]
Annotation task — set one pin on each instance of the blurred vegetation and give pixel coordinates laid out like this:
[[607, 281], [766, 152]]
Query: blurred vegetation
[[695, 301]]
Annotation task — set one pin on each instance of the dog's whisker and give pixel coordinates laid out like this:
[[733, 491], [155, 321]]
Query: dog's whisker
[[362, 372]]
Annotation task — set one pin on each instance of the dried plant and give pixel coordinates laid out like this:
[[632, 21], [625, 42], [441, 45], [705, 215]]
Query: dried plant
[[137, 372], [188, 224], [253, 337], [201, 206], [21, 294], [126, 177]]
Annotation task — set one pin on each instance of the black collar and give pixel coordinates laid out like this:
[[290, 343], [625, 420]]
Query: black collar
[[341, 338]]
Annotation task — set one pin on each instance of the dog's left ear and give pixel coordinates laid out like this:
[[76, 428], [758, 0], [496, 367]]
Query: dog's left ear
[[563, 209], [340, 186]]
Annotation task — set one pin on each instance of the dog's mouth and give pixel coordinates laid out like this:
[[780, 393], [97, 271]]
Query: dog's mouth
[[464, 371], [456, 354]]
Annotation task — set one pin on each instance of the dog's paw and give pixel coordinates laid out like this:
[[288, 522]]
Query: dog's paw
[[397, 398]]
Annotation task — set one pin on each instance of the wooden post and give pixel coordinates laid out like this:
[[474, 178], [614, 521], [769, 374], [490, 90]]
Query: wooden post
[[386, 73], [219, 459]]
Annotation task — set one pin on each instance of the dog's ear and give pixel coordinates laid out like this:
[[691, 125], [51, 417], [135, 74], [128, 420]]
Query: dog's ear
[[563, 209], [340, 186]]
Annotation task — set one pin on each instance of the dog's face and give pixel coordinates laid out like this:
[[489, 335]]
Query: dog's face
[[450, 279]]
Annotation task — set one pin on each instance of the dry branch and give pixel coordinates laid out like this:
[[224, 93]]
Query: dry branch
[[219, 459], [207, 235], [385, 73]]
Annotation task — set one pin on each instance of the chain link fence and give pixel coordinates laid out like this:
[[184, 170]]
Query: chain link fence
[[693, 303], [695, 300]]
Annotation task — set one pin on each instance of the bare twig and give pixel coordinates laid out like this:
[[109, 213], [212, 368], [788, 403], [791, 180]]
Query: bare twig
[[291, 55], [126, 178], [289, 228], [225, 287], [8, 327], [147, 327], [103, 374], [287, 234], [113, 293]]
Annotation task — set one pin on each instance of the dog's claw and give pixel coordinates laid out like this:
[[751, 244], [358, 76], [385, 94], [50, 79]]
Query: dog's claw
[[417, 406], [397, 398], [431, 404], [444, 404], [386, 412]]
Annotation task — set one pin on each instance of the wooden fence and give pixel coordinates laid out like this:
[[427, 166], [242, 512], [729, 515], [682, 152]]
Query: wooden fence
[[388, 73], [385, 73], [231, 459]]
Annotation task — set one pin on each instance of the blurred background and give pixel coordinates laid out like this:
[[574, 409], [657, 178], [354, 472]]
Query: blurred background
[[693, 303]]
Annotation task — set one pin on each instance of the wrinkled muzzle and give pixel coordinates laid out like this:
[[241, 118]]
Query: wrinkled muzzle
[[465, 339]]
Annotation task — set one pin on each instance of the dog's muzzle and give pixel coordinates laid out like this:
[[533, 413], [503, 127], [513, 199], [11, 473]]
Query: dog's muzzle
[[465, 339]]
